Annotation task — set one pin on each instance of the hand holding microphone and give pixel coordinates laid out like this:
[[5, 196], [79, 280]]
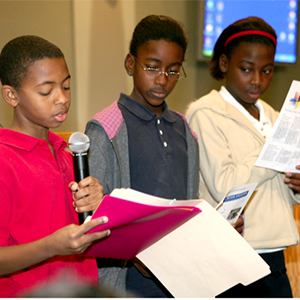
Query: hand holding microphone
[[79, 144]]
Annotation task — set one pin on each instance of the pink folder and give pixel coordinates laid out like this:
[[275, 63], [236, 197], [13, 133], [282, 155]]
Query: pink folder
[[137, 225]]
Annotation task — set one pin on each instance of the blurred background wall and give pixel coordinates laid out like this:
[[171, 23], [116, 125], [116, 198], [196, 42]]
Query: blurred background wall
[[94, 36]]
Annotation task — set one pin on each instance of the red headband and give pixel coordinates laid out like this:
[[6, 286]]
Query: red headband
[[251, 32]]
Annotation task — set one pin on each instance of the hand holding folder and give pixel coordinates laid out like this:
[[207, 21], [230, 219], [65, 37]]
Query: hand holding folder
[[137, 221]]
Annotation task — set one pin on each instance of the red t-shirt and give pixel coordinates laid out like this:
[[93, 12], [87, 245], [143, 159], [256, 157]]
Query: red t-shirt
[[35, 202]]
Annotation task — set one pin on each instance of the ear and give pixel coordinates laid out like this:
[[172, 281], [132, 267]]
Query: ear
[[223, 63], [129, 64], [10, 95]]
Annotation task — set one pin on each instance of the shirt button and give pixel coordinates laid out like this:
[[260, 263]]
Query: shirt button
[[165, 144], [158, 121], [50, 157], [41, 143], [161, 132]]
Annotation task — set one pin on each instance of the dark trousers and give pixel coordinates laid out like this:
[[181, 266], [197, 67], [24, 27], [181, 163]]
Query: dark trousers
[[275, 285], [143, 287]]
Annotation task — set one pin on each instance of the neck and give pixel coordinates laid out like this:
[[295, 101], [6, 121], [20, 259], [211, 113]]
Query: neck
[[253, 111], [22, 125], [158, 110]]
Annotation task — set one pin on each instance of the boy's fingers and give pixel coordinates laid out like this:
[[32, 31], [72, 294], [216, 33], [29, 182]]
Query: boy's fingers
[[91, 237], [89, 225], [73, 186], [88, 181]]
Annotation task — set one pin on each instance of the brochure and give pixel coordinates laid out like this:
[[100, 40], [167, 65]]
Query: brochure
[[233, 204]]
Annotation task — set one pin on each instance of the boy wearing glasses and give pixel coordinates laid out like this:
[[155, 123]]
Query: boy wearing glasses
[[139, 143]]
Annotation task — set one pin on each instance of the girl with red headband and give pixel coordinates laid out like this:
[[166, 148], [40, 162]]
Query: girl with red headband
[[232, 126]]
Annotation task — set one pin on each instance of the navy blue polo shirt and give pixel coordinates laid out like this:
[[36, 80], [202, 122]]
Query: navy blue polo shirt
[[157, 150]]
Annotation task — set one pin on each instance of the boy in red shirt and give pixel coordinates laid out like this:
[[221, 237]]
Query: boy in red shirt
[[39, 231]]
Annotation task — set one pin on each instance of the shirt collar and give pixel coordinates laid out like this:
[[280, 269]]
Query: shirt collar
[[229, 98], [264, 125], [28, 143], [142, 112]]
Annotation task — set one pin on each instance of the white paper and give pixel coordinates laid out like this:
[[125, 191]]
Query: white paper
[[282, 149], [233, 204], [140, 197], [203, 257]]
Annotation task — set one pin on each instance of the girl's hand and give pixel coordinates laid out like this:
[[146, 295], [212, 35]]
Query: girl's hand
[[72, 238], [293, 180], [87, 194], [239, 225]]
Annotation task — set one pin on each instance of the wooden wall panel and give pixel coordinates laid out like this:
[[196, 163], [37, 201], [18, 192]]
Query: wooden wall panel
[[292, 259]]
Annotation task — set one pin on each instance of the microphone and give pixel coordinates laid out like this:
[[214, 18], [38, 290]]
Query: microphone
[[79, 144]]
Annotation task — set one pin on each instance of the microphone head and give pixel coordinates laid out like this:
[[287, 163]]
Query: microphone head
[[79, 142]]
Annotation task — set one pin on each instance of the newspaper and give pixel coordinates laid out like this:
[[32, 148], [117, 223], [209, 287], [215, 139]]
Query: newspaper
[[282, 149]]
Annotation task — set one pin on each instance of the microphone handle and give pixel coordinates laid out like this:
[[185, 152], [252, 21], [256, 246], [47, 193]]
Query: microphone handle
[[81, 171]]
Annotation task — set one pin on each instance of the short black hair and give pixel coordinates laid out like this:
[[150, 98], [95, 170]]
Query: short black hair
[[157, 27], [250, 23], [20, 53]]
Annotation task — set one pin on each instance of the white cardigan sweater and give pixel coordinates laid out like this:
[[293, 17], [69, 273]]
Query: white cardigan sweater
[[229, 146]]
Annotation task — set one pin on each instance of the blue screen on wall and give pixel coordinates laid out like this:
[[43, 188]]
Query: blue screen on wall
[[282, 15]]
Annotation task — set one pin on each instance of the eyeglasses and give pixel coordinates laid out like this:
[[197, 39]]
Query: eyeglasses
[[155, 72]]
